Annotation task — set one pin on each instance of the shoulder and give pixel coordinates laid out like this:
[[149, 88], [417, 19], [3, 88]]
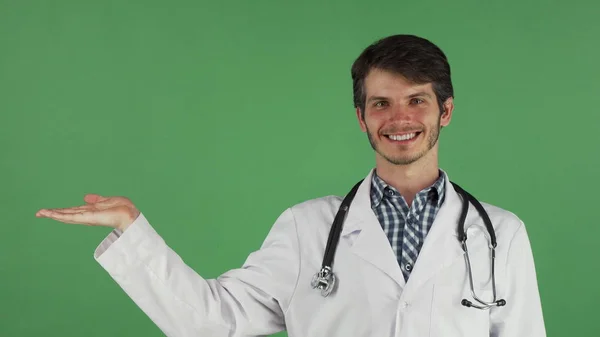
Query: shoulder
[[317, 208], [314, 217], [505, 222], [500, 214], [305, 220]]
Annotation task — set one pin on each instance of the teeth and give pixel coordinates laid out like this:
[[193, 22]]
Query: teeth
[[403, 137]]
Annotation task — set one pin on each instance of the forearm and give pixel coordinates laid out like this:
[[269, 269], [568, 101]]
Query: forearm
[[241, 302], [175, 298]]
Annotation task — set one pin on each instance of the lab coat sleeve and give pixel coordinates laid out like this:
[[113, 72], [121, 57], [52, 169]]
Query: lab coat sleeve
[[522, 315], [247, 301]]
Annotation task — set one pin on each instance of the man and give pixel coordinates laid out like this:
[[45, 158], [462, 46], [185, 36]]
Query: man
[[399, 265]]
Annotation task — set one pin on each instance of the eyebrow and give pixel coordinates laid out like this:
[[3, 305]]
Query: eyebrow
[[382, 98], [420, 93], [376, 98]]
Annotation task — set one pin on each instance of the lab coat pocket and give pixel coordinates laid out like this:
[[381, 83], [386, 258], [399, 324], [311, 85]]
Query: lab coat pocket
[[450, 318]]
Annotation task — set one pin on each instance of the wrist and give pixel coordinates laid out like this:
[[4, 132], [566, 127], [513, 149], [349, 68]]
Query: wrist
[[132, 216]]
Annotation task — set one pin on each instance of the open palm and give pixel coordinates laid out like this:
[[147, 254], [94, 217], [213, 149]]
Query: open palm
[[116, 212]]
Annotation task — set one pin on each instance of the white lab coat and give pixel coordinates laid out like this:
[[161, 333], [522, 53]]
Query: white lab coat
[[271, 291]]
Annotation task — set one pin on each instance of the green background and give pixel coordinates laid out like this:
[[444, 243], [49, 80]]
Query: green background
[[213, 117]]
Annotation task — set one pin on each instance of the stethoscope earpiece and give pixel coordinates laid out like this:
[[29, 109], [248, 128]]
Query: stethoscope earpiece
[[468, 304]]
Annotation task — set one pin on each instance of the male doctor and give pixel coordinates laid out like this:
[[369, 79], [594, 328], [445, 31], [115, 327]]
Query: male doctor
[[399, 264]]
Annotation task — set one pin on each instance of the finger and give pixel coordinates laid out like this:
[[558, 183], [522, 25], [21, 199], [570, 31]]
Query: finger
[[61, 209], [82, 218], [103, 202], [77, 209], [47, 212], [93, 198]]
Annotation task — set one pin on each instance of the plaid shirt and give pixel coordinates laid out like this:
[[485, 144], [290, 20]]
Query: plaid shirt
[[406, 227]]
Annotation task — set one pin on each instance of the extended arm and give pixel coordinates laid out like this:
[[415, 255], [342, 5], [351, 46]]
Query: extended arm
[[248, 301]]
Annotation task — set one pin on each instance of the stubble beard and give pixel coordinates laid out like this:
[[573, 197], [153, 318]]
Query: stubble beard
[[432, 139]]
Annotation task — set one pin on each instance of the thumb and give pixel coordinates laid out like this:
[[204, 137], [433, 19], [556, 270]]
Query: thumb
[[93, 198]]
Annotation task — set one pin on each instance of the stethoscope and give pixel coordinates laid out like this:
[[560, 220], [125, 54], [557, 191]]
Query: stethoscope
[[325, 280]]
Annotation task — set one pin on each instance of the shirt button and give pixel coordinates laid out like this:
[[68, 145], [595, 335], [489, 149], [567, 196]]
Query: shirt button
[[390, 192], [408, 267]]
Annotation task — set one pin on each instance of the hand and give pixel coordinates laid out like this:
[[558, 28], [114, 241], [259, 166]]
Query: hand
[[115, 212]]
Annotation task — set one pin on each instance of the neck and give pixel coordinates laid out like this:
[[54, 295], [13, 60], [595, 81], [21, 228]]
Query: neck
[[409, 179]]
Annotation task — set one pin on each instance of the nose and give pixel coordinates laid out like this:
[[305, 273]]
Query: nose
[[401, 113]]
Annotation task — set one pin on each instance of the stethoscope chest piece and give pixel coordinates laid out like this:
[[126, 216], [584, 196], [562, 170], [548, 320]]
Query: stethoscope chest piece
[[325, 281]]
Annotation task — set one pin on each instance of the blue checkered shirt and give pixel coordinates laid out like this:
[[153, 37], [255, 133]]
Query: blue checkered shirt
[[406, 227]]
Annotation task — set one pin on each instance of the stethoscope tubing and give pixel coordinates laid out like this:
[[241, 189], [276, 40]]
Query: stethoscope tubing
[[325, 279]]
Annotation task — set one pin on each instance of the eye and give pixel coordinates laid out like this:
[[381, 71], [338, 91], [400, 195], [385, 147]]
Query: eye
[[417, 101], [380, 104]]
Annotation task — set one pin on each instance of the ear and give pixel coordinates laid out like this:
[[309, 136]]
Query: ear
[[447, 114], [361, 122]]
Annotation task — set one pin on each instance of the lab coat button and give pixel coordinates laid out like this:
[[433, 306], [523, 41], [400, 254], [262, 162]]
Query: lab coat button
[[404, 305]]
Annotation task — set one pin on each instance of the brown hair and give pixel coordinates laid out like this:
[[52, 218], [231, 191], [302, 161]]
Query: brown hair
[[415, 58]]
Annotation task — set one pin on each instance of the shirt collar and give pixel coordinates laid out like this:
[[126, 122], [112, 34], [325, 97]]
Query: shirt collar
[[435, 192]]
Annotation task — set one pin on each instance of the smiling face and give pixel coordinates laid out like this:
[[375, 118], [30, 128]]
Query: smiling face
[[402, 119]]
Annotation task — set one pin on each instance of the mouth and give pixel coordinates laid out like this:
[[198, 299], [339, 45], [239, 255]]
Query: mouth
[[403, 138]]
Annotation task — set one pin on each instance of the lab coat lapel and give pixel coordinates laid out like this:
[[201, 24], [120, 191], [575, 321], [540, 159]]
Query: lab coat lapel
[[363, 232], [441, 247]]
